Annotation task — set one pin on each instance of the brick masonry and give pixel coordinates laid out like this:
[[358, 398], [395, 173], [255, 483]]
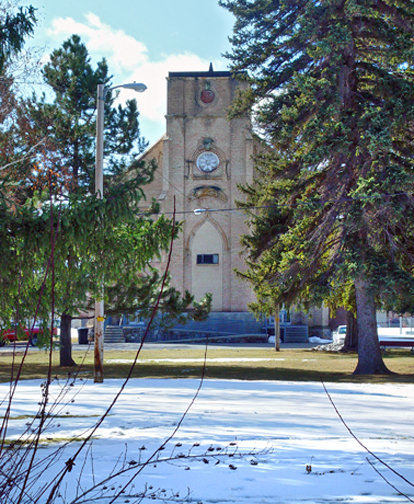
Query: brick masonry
[[195, 125]]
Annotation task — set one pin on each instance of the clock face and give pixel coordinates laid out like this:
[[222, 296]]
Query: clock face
[[207, 162]]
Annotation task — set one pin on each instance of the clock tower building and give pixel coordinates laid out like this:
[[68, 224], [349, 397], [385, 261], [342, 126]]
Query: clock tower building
[[202, 160]]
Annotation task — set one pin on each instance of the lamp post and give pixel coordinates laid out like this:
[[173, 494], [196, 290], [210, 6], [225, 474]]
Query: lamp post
[[99, 303]]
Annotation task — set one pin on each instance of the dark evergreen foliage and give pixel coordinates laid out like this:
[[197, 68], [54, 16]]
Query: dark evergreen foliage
[[61, 241], [333, 87], [14, 29]]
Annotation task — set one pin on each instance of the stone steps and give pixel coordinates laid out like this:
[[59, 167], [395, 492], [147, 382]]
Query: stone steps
[[296, 334], [114, 334]]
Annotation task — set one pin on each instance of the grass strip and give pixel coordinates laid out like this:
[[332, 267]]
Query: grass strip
[[226, 362]]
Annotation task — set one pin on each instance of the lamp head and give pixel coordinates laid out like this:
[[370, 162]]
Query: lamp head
[[136, 86]]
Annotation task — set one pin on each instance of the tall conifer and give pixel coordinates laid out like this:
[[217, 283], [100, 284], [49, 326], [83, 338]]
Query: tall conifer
[[52, 192], [332, 85]]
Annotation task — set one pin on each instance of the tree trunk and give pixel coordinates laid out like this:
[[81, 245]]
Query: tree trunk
[[369, 352], [277, 328], [66, 341], [351, 338]]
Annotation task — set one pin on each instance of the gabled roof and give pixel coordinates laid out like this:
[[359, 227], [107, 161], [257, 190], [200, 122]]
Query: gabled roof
[[154, 147]]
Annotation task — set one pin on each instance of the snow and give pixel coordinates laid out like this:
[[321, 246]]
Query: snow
[[263, 435], [208, 360], [312, 339], [320, 341]]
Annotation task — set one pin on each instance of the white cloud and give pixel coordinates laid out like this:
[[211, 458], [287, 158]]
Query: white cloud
[[153, 105], [128, 61], [122, 51]]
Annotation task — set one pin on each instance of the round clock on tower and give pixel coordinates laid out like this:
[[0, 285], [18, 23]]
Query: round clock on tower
[[207, 161]]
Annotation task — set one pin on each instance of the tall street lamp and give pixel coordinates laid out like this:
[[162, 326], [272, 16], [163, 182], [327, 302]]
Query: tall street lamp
[[99, 303]]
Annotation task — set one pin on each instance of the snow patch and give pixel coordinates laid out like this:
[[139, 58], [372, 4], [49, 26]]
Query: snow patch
[[302, 451]]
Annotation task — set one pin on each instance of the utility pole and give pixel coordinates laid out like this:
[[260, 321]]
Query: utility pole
[[99, 303]]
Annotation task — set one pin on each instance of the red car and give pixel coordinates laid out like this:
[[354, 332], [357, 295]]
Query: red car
[[10, 335]]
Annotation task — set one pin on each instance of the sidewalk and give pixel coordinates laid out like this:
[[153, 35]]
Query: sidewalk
[[19, 347]]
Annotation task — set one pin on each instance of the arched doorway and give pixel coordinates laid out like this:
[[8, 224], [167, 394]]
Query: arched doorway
[[207, 264]]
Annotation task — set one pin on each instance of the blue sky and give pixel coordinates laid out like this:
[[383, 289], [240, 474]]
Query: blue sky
[[142, 40]]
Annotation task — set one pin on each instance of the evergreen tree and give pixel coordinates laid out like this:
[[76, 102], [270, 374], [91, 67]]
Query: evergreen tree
[[333, 86], [15, 26], [66, 128], [68, 121], [84, 241]]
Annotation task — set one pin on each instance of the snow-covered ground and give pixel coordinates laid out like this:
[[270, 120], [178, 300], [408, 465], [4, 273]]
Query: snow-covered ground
[[296, 449]]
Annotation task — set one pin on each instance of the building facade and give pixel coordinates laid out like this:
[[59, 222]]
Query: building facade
[[202, 159]]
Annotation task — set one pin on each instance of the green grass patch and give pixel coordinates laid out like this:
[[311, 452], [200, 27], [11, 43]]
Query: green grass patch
[[43, 442], [36, 417], [187, 362]]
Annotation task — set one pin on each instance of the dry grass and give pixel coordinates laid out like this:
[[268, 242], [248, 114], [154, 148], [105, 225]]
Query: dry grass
[[247, 363]]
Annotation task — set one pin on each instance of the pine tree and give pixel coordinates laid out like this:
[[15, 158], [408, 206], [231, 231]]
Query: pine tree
[[93, 241], [65, 127], [333, 86], [15, 27], [16, 24]]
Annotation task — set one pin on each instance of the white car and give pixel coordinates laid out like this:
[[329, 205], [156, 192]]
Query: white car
[[338, 336]]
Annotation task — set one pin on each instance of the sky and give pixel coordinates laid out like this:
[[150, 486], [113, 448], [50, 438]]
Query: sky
[[141, 40]]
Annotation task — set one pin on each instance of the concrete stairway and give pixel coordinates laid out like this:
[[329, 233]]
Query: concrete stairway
[[113, 334], [296, 334]]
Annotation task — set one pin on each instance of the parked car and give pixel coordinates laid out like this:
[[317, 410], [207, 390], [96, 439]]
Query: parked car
[[338, 336], [24, 334]]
